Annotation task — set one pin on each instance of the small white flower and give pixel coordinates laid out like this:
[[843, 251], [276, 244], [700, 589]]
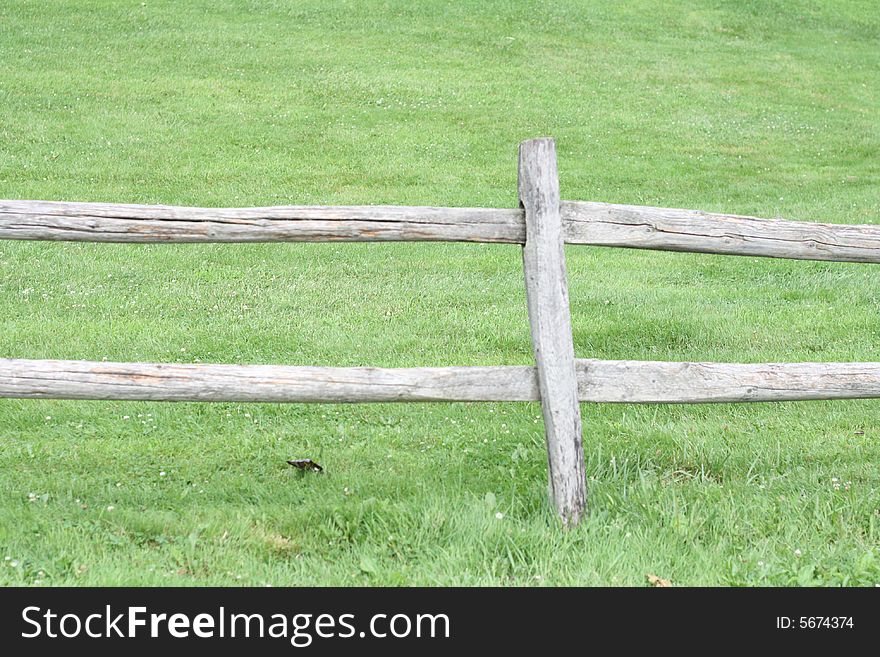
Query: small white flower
[[499, 516], [162, 473], [111, 507], [797, 553], [125, 417], [48, 417]]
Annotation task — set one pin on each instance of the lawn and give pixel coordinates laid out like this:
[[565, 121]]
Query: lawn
[[769, 108]]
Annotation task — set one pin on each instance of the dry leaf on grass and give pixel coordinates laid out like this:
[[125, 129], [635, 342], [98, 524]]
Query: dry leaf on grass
[[653, 580], [305, 464]]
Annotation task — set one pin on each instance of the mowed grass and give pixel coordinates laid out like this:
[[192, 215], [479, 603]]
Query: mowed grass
[[769, 108]]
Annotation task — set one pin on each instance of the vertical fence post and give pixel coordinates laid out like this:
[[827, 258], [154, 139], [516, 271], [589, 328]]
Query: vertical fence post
[[550, 322]]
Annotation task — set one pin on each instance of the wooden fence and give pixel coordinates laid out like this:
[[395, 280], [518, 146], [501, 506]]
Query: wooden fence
[[542, 225]]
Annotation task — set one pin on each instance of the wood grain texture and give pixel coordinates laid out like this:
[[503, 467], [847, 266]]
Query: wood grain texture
[[695, 383], [597, 224], [107, 222], [642, 227], [550, 322], [67, 379], [606, 381]]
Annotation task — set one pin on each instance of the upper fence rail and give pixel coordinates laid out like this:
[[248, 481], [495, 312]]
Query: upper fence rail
[[606, 381], [591, 223]]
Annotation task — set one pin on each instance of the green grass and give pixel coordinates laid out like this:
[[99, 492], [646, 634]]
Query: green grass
[[769, 108]]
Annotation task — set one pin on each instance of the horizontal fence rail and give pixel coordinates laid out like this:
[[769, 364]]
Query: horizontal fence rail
[[606, 381], [597, 224], [664, 229], [107, 222]]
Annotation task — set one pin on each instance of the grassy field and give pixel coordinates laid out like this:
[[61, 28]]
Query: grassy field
[[766, 107]]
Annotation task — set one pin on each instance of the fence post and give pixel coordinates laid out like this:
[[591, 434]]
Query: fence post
[[550, 322]]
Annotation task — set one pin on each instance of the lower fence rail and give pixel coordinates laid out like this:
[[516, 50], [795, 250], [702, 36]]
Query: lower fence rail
[[608, 381]]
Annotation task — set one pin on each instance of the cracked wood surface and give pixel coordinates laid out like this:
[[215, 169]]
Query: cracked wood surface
[[106, 222], [597, 224], [61, 379], [598, 381], [550, 323], [683, 382], [666, 229]]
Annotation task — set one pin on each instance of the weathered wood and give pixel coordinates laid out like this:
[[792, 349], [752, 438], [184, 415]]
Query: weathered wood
[[550, 322], [597, 224], [693, 383], [642, 227], [605, 381], [66, 379], [107, 222]]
